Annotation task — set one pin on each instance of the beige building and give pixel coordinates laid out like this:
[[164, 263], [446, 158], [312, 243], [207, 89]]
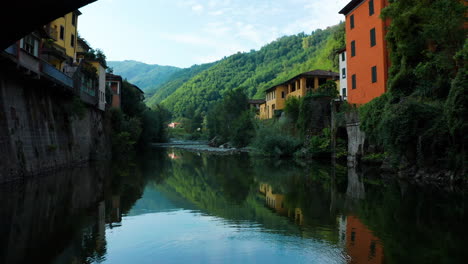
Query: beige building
[[297, 86]]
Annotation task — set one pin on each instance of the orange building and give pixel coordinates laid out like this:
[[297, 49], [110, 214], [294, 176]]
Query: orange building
[[367, 56]]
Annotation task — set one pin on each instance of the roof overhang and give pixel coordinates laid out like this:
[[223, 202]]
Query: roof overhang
[[350, 7]]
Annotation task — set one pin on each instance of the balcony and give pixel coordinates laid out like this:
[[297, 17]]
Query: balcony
[[51, 32], [56, 75]]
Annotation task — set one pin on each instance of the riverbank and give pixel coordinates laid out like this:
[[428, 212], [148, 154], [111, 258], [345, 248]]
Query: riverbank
[[199, 146]]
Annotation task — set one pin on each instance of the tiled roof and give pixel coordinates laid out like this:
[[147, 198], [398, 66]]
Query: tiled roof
[[256, 101]]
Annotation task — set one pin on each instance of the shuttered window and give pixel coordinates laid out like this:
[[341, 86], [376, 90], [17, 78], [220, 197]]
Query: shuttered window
[[353, 81], [351, 21], [374, 74], [372, 37], [371, 7], [353, 48]]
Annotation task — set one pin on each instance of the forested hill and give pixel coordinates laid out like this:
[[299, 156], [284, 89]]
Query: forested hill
[[146, 76], [176, 81], [255, 71]]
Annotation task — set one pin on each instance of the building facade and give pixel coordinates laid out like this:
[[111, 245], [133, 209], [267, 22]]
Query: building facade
[[114, 82], [297, 86], [343, 74], [60, 48], [101, 72], [366, 51]]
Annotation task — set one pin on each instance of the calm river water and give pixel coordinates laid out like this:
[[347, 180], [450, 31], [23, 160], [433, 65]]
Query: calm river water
[[175, 206]]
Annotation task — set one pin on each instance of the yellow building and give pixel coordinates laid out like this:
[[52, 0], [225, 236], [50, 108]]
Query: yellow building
[[297, 86], [60, 49]]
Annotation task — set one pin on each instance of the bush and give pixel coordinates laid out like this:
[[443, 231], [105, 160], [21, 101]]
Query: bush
[[271, 142]]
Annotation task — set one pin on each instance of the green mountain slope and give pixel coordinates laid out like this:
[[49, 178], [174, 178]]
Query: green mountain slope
[[256, 71], [148, 77], [176, 80]]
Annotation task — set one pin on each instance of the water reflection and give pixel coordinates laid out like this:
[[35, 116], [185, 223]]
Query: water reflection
[[178, 206]]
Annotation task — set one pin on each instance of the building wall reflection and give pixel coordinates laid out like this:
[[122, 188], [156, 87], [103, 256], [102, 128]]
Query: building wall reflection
[[361, 244]]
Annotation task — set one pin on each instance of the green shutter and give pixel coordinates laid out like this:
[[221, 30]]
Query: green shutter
[[374, 74], [372, 37], [353, 48], [353, 79], [371, 7], [351, 21]]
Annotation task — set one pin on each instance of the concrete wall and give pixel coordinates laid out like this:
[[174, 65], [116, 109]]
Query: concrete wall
[[41, 131]]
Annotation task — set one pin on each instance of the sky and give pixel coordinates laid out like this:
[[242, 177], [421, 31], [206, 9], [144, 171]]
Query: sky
[[186, 32]]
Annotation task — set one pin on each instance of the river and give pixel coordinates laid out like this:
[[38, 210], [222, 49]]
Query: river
[[176, 206]]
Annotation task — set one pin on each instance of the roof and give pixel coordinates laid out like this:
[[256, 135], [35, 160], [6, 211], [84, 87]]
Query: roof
[[138, 88], [341, 50], [113, 77], [256, 101], [350, 6], [314, 73]]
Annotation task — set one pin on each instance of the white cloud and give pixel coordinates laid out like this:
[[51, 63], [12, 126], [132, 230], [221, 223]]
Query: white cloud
[[197, 8]]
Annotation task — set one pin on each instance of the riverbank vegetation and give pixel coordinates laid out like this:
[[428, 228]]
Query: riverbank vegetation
[[422, 119], [302, 130], [134, 125]]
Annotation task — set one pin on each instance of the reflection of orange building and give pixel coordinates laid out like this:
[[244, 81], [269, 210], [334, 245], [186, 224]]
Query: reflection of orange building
[[362, 246], [274, 201]]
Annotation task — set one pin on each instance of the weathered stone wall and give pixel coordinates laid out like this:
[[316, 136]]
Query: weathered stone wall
[[356, 138], [40, 129]]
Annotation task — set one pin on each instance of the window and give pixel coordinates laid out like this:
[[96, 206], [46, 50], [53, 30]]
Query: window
[[343, 91], [374, 74], [293, 86], [372, 250], [343, 73], [74, 19], [353, 48], [72, 39], [343, 57], [372, 37], [351, 21], [371, 7], [62, 32], [282, 94], [30, 45], [353, 81], [310, 83]]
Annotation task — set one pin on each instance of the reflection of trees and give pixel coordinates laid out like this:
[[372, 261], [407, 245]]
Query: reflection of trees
[[223, 186], [421, 226]]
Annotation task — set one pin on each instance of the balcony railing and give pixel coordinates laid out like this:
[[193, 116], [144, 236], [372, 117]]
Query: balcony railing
[[52, 32], [57, 75]]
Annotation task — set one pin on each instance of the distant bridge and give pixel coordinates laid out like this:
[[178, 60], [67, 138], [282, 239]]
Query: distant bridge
[[19, 18]]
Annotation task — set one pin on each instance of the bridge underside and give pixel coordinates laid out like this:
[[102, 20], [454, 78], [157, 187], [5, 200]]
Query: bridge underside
[[19, 18]]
